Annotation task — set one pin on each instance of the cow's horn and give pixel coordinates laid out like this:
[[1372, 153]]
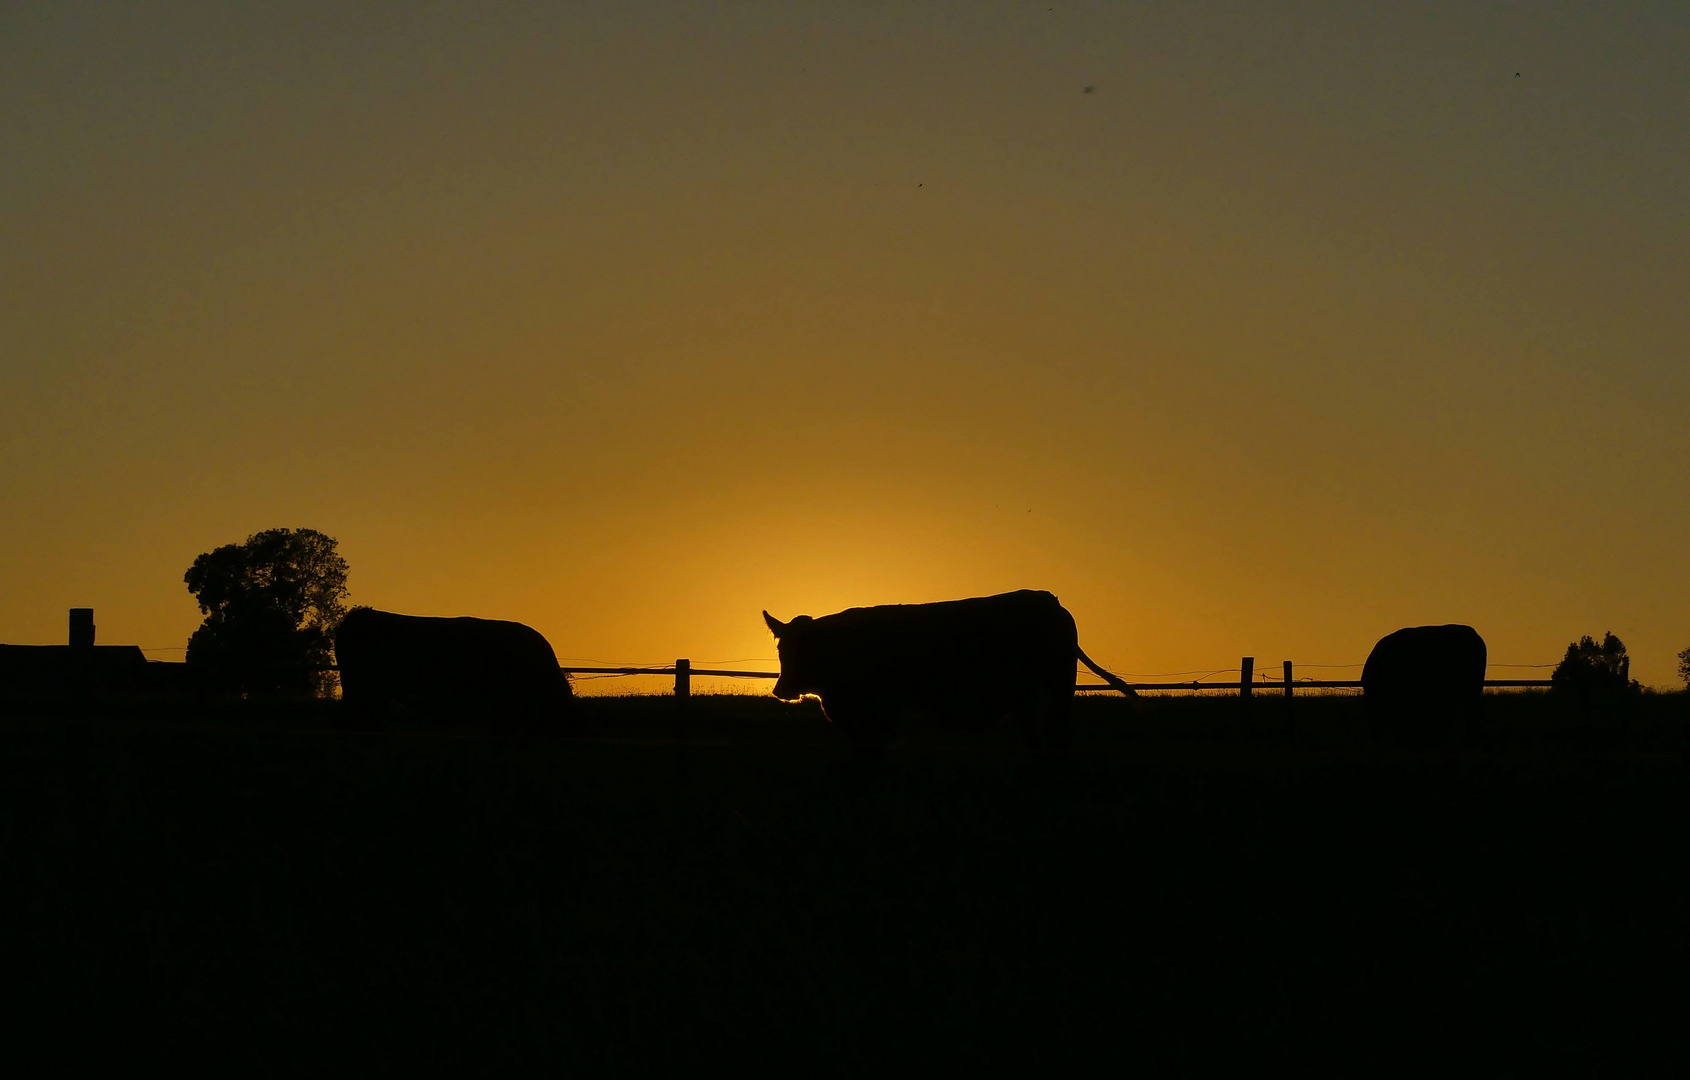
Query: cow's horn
[[776, 627]]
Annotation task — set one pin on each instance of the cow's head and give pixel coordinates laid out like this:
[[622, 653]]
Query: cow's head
[[797, 666]]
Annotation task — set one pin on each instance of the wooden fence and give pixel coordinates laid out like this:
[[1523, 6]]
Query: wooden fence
[[1246, 684]]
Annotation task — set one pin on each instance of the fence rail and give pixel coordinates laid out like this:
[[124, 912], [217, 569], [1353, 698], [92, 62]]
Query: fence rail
[[683, 671]]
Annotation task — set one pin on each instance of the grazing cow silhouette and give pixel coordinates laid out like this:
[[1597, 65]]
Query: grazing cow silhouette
[[965, 663], [1421, 680], [451, 670]]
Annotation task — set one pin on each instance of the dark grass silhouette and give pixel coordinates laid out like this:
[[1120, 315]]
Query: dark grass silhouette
[[1208, 880]]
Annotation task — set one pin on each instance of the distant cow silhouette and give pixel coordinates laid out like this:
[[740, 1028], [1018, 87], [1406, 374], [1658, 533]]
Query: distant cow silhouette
[[962, 662], [451, 670], [1421, 680]]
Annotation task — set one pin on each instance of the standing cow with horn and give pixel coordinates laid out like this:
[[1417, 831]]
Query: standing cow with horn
[[963, 663]]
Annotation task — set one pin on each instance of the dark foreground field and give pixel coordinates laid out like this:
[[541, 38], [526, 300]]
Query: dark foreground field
[[1205, 881]]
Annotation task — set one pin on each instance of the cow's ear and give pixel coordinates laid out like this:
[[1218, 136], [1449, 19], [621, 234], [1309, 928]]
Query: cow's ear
[[776, 627]]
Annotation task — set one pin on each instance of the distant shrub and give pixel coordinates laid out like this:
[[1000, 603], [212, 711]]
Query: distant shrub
[[1592, 669]]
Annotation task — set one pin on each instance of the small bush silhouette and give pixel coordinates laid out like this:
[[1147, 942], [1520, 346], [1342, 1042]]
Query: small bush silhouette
[[271, 605], [1592, 669]]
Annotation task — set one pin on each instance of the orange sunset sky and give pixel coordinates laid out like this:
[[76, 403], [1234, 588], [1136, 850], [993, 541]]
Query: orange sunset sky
[[1305, 322]]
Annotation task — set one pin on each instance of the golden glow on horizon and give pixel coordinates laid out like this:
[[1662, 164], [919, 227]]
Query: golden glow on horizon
[[630, 323]]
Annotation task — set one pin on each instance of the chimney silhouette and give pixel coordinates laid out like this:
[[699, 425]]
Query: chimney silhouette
[[82, 628]]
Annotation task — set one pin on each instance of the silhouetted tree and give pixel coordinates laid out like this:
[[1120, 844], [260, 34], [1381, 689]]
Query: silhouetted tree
[[1593, 670], [271, 605], [1684, 666]]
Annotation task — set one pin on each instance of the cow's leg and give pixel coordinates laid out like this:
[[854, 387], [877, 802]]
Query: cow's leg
[[1045, 718], [501, 718], [548, 714], [1058, 720], [865, 721], [1029, 718], [359, 713]]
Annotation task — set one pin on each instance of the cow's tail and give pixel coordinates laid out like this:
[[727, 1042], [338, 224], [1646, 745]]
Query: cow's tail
[[1112, 680]]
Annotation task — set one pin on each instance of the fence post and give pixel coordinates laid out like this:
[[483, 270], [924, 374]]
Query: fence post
[[683, 678], [1287, 678], [1246, 675]]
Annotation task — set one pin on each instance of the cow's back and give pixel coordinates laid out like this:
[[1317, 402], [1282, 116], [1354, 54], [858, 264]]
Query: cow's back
[[447, 668], [956, 663], [1421, 679]]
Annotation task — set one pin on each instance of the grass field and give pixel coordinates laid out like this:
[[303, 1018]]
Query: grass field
[[1204, 880]]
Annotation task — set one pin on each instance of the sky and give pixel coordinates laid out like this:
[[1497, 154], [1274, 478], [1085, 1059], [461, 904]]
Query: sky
[[1246, 329]]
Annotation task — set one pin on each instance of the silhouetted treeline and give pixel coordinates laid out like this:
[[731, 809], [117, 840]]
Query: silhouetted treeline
[[1592, 669]]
